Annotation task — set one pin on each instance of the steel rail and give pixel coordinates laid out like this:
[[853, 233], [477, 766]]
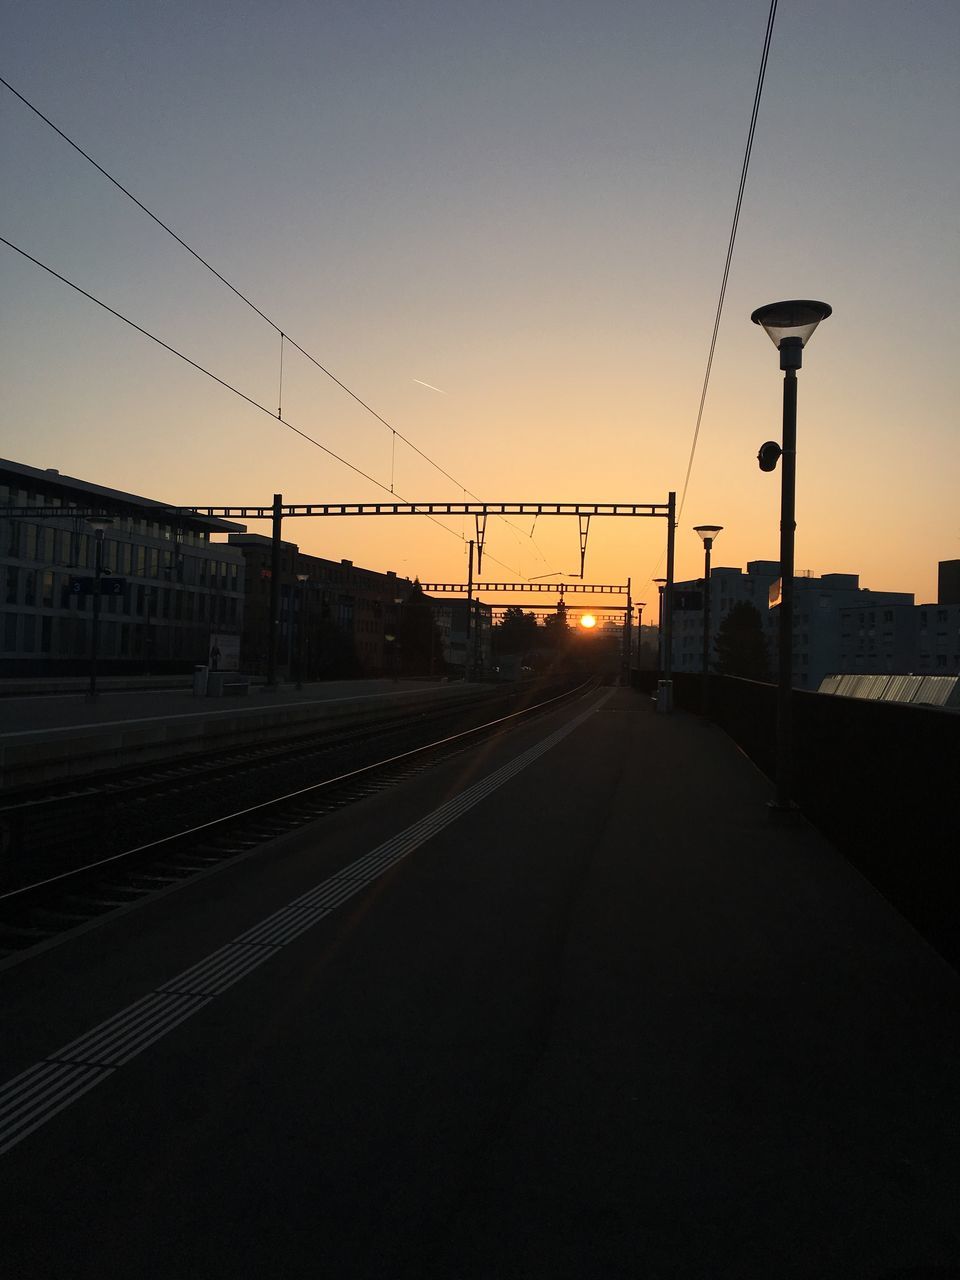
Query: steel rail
[[292, 795]]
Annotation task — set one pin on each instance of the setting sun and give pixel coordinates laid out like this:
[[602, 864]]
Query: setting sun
[[588, 620]]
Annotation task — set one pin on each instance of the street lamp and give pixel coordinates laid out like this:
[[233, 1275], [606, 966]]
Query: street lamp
[[302, 579], [789, 325], [708, 533], [99, 524]]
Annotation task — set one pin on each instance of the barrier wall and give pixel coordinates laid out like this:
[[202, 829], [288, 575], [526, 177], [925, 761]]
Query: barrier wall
[[881, 780]]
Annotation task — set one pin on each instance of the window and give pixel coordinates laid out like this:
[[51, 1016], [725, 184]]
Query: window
[[10, 632], [13, 579], [941, 659], [888, 615], [30, 587], [46, 591]]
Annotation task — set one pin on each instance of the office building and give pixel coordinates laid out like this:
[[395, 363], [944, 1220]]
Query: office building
[[169, 584]]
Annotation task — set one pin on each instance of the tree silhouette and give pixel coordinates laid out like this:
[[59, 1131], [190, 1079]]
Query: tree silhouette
[[742, 645], [516, 632]]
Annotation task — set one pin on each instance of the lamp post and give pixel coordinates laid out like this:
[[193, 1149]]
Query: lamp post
[[659, 583], [98, 524], [302, 580], [789, 325], [708, 533]]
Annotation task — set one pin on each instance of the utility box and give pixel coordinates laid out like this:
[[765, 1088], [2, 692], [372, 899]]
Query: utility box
[[200, 676], [665, 696]]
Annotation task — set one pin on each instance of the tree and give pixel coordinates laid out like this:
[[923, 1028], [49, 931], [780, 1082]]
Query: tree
[[555, 629], [516, 632], [741, 644]]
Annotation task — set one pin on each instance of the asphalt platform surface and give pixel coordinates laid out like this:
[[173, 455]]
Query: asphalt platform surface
[[591, 1016]]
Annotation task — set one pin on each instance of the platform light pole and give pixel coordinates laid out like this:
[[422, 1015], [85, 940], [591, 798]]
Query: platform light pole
[[659, 583], [302, 580], [789, 325], [708, 532], [99, 525]]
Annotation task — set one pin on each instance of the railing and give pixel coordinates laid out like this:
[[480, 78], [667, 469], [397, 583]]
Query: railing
[[878, 779]]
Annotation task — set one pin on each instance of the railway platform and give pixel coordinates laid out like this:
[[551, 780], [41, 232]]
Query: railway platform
[[564, 1006]]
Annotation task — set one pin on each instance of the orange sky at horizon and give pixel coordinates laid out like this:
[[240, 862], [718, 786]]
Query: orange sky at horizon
[[505, 234]]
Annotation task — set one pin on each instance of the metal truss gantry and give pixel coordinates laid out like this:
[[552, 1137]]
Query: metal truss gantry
[[524, 588], [277, 511]]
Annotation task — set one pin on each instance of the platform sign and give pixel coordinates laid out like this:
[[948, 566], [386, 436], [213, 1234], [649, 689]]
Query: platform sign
[[109, 586], [223, 653]]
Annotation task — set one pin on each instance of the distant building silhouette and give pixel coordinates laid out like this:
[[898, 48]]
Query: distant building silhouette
[[948, 582], [818, 604]]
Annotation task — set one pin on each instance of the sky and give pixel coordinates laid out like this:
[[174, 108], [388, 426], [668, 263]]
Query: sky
[[525, 206]]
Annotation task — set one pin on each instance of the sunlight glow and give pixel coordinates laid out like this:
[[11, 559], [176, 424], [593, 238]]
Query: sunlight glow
[[588, 620]]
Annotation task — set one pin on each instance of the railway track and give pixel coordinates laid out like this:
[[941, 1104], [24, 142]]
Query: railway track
[[77, 857]]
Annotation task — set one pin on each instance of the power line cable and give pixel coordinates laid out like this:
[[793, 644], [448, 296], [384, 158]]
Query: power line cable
[[243, 298], [761, 76], [229, 386], [733, 236]]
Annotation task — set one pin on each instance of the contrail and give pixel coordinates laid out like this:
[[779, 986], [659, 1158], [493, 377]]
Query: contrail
[[430, 385]]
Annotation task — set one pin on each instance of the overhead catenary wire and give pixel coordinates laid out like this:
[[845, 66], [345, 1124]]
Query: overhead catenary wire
[[758, 93], [223, 383], [761, 76], [247, 301]]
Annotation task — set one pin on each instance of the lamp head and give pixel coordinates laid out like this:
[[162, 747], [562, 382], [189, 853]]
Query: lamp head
[[99, 523], [708, 532], [790, 325]]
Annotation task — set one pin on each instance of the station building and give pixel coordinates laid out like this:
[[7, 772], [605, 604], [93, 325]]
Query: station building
[[177, 581]]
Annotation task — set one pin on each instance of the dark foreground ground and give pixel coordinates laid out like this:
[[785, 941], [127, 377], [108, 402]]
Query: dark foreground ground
[[603, 1022]]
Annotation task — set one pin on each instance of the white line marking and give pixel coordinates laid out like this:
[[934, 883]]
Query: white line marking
[[36, 1095]]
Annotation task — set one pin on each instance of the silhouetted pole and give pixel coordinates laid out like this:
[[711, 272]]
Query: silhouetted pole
[[668, 602], [301, 593], [707, 532], [98, 527], [658, 583], [468, 653], [627, 638], [788, 530], [274, 636], [790, 326]]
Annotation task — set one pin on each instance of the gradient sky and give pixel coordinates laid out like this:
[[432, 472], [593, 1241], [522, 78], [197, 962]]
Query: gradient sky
[[526, 205]]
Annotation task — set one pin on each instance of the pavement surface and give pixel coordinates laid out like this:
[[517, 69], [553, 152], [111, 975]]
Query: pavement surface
[[582, 1013], [40, 713]]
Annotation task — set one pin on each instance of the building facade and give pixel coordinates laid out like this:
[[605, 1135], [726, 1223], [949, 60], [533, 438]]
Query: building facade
[[818, 622], [919, 639], [168, 587], [334, 616], [450, 616]]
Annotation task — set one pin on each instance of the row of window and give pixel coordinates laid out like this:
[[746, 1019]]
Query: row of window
[[11, 495], [78, 550], [44, 589], [69, 637]]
